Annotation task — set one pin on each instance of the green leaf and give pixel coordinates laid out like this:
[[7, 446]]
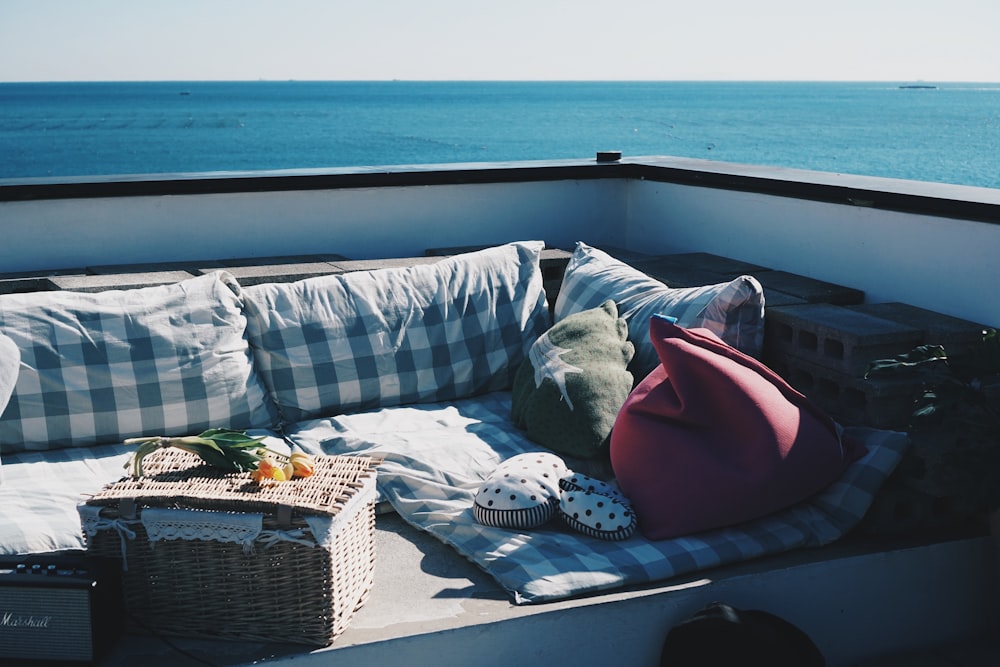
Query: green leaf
[[920, 357], [226, 449]]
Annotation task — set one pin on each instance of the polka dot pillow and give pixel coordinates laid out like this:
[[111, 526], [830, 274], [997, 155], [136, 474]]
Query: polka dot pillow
[[595, 508], [522, 493], [528, 490]]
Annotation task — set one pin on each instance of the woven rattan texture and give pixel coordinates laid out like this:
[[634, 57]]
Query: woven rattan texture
[[286, 592], [175, 478]]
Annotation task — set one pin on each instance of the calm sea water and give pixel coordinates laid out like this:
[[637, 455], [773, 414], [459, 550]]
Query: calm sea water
[[948, 134]]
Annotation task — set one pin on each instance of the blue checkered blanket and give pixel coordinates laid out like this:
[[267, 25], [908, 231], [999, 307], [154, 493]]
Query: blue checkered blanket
[[435, 458], [437, 455]]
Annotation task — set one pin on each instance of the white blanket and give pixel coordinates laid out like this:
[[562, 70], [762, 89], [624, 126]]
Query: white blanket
[[437, 455]]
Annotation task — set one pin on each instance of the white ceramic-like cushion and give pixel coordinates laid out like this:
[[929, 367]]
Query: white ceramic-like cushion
[[734, 310], [522, 493], [426, 333], [99, 368], [605, 517]]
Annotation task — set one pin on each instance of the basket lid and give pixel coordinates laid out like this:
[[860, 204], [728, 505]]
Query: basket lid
[[175, 478]]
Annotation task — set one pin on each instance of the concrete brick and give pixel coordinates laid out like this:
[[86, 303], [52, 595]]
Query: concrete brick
[[876, 402], [455, 250], [679, 274], [904, 508], [22, 285], [956, 335], [388, 263], [627, 256], [279, 273], [808, 289], [840, 339], [725, 266], [194, 268], [776, 299], [100, 283], [276, 260]]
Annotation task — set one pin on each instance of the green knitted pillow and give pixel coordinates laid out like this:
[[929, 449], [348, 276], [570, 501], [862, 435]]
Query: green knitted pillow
[[568, 391]]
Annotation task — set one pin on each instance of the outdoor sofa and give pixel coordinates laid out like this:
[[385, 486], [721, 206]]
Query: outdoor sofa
[[412, 364]]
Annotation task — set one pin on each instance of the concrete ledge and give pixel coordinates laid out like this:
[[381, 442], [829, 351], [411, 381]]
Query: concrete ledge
[[430, 607], [101, 283]]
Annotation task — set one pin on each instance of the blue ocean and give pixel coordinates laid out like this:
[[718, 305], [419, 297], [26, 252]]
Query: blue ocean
[[946, 133]]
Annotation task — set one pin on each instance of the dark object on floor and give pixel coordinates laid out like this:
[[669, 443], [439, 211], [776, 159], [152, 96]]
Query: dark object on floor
[[720, 635]]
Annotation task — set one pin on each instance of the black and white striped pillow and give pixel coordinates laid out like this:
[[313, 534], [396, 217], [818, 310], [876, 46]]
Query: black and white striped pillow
[[522, 493]]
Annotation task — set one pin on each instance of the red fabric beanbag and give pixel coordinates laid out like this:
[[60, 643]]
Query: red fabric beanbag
[[712, 437]]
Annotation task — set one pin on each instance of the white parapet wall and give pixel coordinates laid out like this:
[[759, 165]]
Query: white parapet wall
[[943, 264], [927, 244]]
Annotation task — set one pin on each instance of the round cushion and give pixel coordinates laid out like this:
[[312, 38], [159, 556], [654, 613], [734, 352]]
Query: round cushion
[[522, 493], [597, 515]]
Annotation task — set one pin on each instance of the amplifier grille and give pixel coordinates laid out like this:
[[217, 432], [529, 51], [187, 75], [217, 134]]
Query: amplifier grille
[[45, 624]]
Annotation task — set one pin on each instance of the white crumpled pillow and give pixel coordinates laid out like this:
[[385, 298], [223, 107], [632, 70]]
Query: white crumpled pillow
[[522, 493], [734, 310]]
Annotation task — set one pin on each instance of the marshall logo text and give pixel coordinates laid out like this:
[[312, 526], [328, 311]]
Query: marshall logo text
[[9, 619]]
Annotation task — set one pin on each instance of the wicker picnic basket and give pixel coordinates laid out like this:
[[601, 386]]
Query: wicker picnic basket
[[289, 589]]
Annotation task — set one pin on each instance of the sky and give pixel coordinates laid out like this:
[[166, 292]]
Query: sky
[[810, 40]]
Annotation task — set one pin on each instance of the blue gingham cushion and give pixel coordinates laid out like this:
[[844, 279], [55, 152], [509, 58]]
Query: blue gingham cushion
[[432, 332], [734, 311], [98, 368], [436, 457], [10, 359], [39, 498]]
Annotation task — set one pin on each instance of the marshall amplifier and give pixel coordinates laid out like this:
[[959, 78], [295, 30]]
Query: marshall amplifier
[[57, 607]]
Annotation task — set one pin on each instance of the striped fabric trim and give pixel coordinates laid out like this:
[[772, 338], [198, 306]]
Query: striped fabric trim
[[522, 519]]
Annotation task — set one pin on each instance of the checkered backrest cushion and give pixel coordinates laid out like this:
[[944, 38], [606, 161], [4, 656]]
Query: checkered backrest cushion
[[98, 368], [734, 311], [368, 339]]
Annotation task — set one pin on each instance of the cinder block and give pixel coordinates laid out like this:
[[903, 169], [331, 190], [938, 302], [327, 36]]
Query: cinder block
[[555, 257], [20, 282], [776, 299], [276, 260], [694, 269], [353, 265], [627, 256], [808, 289], [904, 508], [100, 283], [22, 285], [679, 274], [195, 268], [876, 402], [840, 339], [955, 334], [455, 250], [725, 266], [279, 273]]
